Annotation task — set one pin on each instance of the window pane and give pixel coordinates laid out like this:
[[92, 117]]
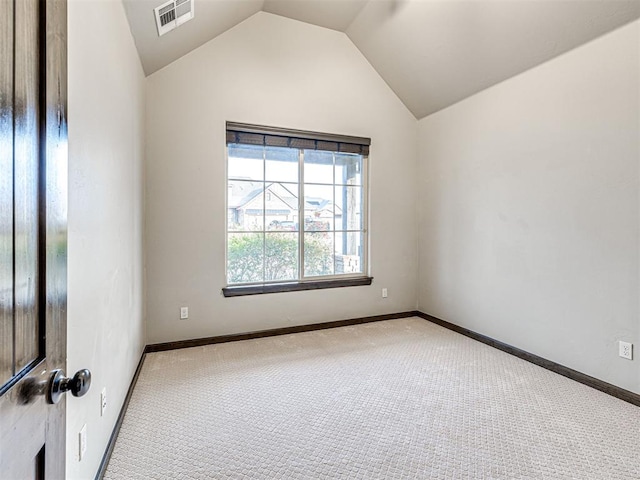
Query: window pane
[[244, 257], [281, 164], [318, 208], [281, 200], [348, 211], [348, 169], [245, 162], [318, 254], [349, 252], [318, 166], [245, 205], [281, 256]]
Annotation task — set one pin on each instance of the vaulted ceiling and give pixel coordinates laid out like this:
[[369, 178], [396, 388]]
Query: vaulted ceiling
[[432, 53]]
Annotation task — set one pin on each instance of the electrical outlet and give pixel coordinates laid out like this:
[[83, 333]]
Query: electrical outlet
[[103, 401], [384, 293], [82, 442], [625, 350], [184, 313]]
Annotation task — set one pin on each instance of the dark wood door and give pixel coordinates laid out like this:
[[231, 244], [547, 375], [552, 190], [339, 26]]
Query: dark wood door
[[33, 169]]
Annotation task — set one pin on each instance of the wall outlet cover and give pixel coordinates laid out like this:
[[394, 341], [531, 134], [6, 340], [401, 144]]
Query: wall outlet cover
[[625, 350]]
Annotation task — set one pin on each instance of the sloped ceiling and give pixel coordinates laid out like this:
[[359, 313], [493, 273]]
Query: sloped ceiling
[[432, 53]]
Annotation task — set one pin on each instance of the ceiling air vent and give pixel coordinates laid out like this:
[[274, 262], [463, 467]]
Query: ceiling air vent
[[172, 14]]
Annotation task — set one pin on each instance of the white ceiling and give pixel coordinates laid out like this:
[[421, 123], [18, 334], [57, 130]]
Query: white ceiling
[[432, 53], [334, 14]]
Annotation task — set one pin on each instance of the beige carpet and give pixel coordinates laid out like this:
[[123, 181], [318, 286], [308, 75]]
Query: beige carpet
[[400, 399]]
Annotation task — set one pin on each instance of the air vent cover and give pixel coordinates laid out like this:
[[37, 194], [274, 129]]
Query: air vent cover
[[172, 14]]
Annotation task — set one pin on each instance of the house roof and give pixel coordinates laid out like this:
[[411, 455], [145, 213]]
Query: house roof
[[241, 194], [432, 53]]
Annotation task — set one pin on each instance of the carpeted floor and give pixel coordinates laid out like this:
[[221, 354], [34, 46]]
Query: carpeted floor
[[400, 399]]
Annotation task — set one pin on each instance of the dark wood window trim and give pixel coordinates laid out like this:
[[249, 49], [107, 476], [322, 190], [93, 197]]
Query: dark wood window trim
[[242, 290]]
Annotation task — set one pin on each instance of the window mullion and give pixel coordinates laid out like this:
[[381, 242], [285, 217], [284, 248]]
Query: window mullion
[[264, 213], [333, 222], [300, 214]]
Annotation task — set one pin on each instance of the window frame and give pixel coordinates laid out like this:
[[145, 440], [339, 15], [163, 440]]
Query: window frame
[[302, 282]]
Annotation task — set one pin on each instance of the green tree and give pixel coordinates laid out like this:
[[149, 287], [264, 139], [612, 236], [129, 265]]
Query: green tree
[[318, 254], [245, 256]]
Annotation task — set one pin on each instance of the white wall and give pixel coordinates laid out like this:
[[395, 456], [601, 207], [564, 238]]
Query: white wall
[[105, 309], [529, 209], [268, 70]]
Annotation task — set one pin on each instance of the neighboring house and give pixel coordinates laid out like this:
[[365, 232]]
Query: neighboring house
[[279, 205]]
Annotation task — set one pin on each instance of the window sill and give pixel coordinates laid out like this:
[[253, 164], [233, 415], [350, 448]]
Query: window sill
[[242, 290]]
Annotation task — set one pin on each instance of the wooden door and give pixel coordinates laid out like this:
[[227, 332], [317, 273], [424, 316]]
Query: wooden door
[[33, 169]]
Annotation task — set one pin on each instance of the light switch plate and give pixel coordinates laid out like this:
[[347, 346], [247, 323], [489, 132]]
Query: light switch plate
[[103, 401], [82, 442]]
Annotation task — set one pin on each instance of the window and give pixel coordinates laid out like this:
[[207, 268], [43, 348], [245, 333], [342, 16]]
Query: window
[[296, 210]]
